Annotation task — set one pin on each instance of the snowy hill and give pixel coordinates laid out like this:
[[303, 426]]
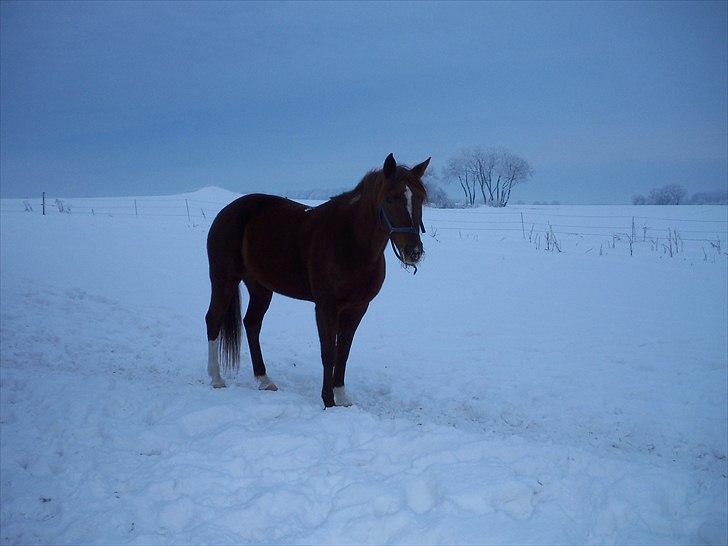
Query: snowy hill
[[321, 194], [553, 378]]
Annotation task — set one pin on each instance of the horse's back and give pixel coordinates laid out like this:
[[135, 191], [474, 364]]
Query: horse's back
[[260, 238]]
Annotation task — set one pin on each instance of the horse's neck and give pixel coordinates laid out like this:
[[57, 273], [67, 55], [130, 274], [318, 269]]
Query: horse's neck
[[364, 222]]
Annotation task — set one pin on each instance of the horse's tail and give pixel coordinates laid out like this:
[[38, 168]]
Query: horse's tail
[[230, 334]]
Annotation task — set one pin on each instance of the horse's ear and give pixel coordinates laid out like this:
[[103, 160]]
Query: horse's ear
[[390, 167], [419, 170]]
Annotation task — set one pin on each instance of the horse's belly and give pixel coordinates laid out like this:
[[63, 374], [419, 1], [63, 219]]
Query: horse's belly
[[272, 257]]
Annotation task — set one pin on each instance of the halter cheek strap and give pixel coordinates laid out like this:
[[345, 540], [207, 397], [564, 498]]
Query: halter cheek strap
[[392, 229]]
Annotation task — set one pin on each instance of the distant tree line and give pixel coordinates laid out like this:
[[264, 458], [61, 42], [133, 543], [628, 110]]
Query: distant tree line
[[675, 194]]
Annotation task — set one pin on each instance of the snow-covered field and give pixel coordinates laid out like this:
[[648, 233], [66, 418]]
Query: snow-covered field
[[505, 394]]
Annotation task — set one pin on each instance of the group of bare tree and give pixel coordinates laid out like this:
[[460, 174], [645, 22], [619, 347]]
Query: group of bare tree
[[675, 194], [492, 173]]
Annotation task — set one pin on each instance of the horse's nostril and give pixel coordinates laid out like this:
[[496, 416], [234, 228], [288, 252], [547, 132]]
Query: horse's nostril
[[412, 252]]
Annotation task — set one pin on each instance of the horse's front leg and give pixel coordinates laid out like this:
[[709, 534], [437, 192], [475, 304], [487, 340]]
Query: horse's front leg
[[327, 321], [349, 320]]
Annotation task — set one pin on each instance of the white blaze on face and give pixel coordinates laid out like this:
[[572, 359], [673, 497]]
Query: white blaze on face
[[408, 198]]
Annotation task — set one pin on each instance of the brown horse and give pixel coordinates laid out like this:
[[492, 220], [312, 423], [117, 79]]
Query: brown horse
[[332, 255]]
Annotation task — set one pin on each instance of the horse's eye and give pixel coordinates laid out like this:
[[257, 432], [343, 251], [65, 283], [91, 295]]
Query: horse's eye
[[390, 199]]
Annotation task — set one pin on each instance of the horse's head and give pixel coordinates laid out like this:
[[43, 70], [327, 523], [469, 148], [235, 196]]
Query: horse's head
[[401, 199]]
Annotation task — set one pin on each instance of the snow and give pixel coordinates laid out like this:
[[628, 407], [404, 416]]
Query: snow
[[504, 394]]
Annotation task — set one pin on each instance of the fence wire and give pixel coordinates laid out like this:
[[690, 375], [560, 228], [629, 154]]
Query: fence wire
[[526, 221]]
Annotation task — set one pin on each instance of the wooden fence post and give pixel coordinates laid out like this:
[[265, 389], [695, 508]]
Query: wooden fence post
[[43, 203], [523, 229]]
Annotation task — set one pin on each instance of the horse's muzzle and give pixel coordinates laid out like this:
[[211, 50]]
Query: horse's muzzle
[[412, 253]]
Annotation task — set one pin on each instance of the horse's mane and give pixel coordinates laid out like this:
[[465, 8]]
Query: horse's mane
[[370, 188]]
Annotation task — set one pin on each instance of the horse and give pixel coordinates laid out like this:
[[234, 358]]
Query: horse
[[331, 255]]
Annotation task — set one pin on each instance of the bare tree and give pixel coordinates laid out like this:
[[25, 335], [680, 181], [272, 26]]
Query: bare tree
[[672, 194], [484, 164], [494, 172], [458, 169], [513, 170]]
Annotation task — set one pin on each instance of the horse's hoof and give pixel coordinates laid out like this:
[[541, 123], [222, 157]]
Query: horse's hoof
[[218, 384], [265, 384], [340, 397]]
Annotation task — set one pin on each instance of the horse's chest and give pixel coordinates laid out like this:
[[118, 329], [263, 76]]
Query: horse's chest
[[360, 287]]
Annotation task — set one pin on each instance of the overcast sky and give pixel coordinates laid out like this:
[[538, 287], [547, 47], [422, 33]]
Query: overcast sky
[[603, 99]]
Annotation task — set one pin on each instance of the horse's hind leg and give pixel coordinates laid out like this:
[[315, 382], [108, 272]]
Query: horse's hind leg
[[220, 300], [257, 306]]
